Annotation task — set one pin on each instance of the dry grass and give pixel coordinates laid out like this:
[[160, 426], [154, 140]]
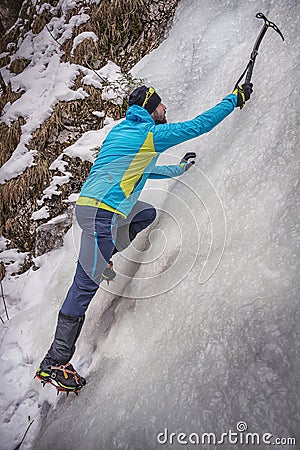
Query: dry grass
[[78, 113], [19, 64], [40, 21], [117, 24], [17, 203], [9, 96], [42, 136], [9, 139]]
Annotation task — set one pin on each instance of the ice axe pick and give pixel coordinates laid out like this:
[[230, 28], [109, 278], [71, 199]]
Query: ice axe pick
[[249, 69]]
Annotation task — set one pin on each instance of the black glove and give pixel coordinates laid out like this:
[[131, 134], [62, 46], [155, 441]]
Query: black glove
[[109, 274], [185, 164], [243, 93]]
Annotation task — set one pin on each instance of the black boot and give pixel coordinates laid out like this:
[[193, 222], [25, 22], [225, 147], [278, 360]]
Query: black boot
[[63, 377], [55, 366]]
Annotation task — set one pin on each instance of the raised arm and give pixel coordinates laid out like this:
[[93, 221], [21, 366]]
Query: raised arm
[[168, 135]]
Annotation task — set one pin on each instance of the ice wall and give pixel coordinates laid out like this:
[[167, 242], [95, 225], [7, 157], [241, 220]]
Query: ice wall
[[202, 357]]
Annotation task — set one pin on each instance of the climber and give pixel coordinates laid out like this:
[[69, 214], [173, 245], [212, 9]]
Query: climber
[[110, 215]]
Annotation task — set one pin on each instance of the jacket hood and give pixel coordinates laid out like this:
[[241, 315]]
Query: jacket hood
[[138, 114]]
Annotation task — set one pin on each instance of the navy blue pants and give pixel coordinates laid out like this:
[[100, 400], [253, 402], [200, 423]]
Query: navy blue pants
[[102, 232]]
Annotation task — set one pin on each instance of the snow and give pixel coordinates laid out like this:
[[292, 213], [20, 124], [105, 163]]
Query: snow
[[117, 87], [75, 21], [13, 260], [111, 71], [59, 164], [3, 243], [55, 183], [57, 219], [42, 213], [72, 198], [10, 45], [42, 8], [81, 37], [46, 81], [86, 148], [92, 79], [110, 74], [98, 113], [158, 348], [19, 398]]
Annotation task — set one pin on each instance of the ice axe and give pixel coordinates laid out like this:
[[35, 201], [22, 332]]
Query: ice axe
[[250, 65]]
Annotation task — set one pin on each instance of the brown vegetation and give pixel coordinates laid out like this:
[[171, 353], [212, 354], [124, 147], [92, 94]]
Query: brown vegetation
[[127, 30]]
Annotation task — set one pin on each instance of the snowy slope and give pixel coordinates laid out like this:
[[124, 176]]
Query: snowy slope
[[193, 356]]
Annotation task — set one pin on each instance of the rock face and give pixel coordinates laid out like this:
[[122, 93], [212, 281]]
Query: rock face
[[125, 31], [50, 235]]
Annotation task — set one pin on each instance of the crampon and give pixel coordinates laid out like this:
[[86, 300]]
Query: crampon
[[64, 378]]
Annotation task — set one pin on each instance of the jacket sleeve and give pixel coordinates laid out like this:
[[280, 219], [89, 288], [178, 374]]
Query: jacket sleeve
[[168, 135], [159, 172]]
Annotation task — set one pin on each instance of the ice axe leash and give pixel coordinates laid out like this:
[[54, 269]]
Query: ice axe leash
[[249, 69]]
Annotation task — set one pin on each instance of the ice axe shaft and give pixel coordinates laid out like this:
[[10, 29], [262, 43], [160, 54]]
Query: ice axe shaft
[[249, 69]]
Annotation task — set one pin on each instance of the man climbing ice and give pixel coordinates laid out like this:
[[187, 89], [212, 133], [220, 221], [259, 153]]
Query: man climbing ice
[[110, 215]]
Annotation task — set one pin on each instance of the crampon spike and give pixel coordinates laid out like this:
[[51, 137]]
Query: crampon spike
[[60, 389], [57, 387]]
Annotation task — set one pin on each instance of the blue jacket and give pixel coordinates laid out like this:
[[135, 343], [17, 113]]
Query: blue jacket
[[129, 153]]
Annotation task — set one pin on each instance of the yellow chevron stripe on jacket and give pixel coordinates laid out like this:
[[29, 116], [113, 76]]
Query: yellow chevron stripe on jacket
[[137, 166]]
